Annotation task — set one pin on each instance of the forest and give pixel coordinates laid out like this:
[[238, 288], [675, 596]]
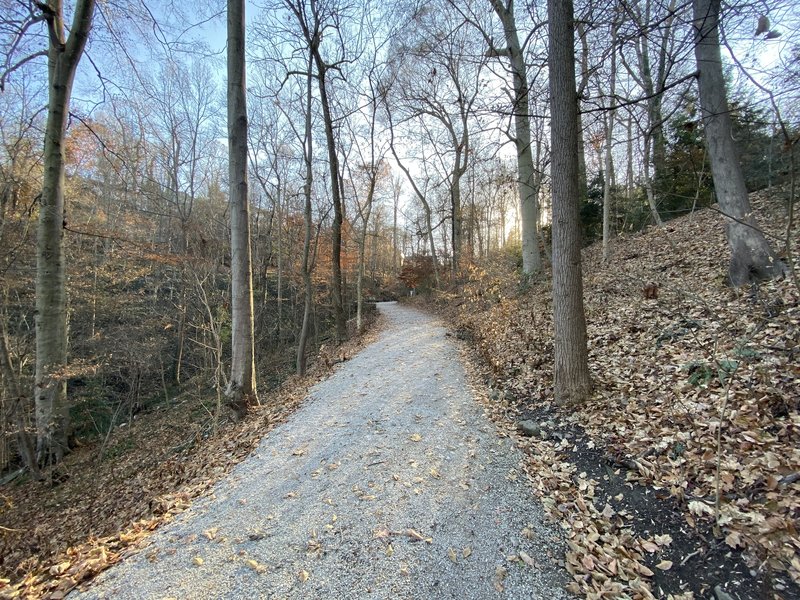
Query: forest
[[201, 205]]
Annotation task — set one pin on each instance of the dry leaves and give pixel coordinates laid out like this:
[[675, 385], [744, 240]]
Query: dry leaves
[[137, 490], [663, 370]]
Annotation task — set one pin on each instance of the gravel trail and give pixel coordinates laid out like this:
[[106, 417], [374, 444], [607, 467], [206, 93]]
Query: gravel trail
[[389, 482]]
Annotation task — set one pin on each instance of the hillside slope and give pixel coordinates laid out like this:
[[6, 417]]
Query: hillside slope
[[696, 390]]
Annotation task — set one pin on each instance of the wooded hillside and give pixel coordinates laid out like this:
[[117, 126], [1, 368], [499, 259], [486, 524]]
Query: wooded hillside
[[696, 397]]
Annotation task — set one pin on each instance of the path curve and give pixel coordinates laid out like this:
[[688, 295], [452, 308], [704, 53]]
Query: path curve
[[391, 448]]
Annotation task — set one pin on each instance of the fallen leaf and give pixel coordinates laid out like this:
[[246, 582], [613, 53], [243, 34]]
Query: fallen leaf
[[211, 533], [253, 564], [466, 552], [663, 540], [416, 536], [451, 553], [699, 508], [664, 565], [415, 437], [526, 558], [499, 576], [734, 540], [649, 546], [303, 575], [644, 570], [198, 561]]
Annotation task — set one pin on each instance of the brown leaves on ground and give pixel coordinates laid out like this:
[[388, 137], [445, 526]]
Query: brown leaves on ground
[[672, 371], [55, 538]]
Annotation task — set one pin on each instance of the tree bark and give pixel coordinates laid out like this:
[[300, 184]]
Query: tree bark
[[50, 386], [609, 159], [529, 179], [455, 208], [571, 369], [306, 267], [336, 230], [241, 390], [583, 184], [752, 258]]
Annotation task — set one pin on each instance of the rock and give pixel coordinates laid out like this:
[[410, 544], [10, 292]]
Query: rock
[[530, 428], [721, 594]]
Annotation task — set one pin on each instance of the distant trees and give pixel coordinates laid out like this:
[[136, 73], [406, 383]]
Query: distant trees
[[437, 82], [529, 179]]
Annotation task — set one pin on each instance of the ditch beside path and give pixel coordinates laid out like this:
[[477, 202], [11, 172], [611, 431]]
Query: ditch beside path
[[389, 482]]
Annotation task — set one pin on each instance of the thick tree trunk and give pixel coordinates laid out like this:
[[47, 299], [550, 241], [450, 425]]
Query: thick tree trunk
[[528, 183], [52, 409], [571, 370], [752, 258], [241, 391]]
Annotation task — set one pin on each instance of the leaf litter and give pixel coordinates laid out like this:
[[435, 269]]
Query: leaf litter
[[55, 538], [671, 374]]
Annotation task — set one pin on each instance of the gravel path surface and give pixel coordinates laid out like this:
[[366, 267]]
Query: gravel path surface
[[389, 482]]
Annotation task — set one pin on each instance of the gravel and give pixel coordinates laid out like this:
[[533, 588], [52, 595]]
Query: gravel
[[391, 448]]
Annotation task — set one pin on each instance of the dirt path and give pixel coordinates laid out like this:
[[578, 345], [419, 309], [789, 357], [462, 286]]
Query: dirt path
[[388, 483]]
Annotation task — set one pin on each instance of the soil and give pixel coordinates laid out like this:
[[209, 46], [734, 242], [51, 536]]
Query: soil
[[702, 563]]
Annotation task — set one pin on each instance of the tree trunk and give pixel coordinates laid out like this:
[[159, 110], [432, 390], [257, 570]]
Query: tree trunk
[[241, 390], [648, 185], [528, 183], [752, 258], [455, 207], [609, 159], [50, 386], [629, 163], [571, 369], [336, 233], [395, 208], [583, 186], [306, 268]]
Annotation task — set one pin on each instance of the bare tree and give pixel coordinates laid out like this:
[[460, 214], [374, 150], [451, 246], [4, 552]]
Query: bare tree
[[752, 258], [241, 390], [571, 369], [316, 20], [307, 264], [63, 53], [438, 83], [608, 160]]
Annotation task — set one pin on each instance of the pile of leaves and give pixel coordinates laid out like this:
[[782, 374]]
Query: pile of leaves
[[697, 398], [55, 537]]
